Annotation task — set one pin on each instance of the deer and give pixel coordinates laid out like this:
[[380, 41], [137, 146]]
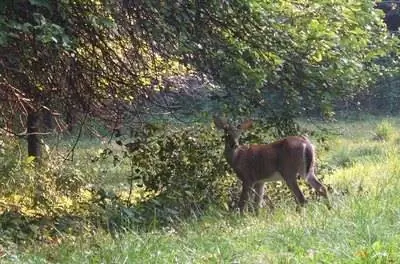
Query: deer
[[282, 160]]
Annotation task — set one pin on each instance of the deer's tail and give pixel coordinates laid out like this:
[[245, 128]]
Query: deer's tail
[[310, 171], [309, 154]]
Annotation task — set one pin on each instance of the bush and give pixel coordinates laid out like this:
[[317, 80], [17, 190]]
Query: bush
[[185, 164], [44, 187], [38, 202], [9, 159]]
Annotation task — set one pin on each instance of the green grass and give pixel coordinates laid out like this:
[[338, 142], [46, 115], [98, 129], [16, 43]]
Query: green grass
[[362, 226]]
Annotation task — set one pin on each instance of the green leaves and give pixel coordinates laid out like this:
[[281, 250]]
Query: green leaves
[[288, 48], [184, 163]]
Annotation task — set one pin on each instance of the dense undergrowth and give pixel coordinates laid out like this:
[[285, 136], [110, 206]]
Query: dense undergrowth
[[65, 211]]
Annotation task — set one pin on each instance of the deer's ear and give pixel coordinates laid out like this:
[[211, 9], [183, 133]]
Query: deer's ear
[[220, 123], [245, 125]]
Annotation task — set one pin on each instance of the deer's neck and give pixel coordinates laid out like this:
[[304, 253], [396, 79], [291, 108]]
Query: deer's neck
[[230, 152]]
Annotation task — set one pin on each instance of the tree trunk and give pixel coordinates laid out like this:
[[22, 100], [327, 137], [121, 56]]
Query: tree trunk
[[48, 119], [69, 119], [33, 137]]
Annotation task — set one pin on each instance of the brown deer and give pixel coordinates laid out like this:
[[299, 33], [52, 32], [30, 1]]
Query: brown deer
[[283, 160]]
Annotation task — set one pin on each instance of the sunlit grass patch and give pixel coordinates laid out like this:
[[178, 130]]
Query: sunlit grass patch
[[384, 130], [367, 173], [348, 153]]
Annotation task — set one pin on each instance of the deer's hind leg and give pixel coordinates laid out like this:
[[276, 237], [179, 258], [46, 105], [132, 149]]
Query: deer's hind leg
[[316, 184], [291, 181], [260, 194], [319, 187]]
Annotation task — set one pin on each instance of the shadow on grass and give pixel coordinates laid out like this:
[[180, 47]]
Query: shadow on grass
[[109, 215], [113, 215], [19, 228]]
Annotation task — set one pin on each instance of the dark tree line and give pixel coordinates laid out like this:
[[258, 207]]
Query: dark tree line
[[392, 14]]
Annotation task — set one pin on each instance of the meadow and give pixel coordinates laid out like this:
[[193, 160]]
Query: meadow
[[359, 161]]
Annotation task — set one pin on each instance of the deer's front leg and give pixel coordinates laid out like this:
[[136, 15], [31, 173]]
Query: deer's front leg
[[244, 197]]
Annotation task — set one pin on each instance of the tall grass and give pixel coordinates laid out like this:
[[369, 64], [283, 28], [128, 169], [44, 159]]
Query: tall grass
[[362, 226], [384, 130]]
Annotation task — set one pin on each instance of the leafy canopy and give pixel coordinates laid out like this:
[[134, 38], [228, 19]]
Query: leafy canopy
[[275, 58]]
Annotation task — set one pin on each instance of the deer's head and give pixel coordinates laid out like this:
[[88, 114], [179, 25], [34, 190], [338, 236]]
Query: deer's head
[[231, 133]]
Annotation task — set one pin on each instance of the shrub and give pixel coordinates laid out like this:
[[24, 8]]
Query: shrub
[[44, 187], [9, 159], [184, 163]]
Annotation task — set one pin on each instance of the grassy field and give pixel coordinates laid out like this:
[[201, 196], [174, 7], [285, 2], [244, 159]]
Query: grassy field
[[362, 226]]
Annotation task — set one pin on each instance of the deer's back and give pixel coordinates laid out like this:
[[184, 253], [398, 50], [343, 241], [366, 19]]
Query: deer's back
[[269, 161]]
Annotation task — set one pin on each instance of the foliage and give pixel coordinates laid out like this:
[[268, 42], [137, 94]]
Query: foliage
[[65, 58], [38, 202], [34, 185], [274, 59], [184, 166], [278, 57], [9, 162]]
